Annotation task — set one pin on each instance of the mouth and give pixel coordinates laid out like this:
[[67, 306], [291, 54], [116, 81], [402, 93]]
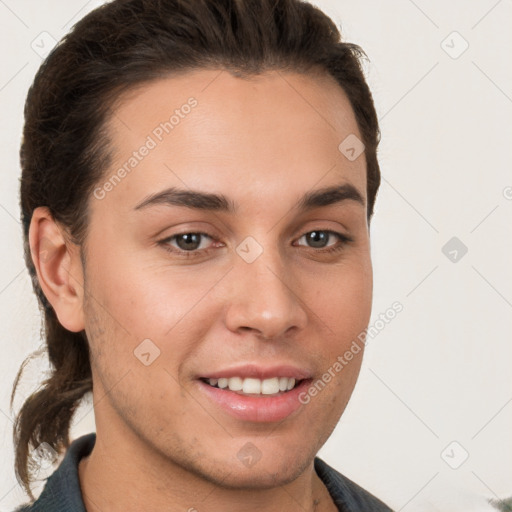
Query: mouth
[[255, 394], [250, 386]]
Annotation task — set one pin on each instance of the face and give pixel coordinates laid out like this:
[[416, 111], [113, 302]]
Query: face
[[259, 286]]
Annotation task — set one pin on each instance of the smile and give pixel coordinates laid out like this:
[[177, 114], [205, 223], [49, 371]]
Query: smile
[[252, 386]]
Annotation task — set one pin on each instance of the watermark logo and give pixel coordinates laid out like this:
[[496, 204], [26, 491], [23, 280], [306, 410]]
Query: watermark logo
[[43, 44], [249, 455], [454, 249], [45, 456], [147, 352], [352, 147], [249, 249], [454, 45], [455, 455]]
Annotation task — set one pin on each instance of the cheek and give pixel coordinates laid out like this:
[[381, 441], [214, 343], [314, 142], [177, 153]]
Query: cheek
[[150, 300], [132, 362], [343, 300]]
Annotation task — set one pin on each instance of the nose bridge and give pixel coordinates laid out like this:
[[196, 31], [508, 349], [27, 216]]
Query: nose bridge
[[264, 299]]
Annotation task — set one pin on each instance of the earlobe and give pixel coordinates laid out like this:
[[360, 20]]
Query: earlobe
[[59, 269]]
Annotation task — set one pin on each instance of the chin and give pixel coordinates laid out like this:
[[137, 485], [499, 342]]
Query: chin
[[264, 476], [233, 473]]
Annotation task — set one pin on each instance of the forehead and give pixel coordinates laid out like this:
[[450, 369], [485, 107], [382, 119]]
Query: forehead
[[208, 129]]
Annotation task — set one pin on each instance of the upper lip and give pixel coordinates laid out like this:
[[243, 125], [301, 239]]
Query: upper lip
[[258, 371]]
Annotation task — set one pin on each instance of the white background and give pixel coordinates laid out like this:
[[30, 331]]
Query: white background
[[440, 371]]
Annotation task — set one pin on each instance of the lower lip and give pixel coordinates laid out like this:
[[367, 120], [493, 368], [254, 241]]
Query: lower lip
[[256, 408]]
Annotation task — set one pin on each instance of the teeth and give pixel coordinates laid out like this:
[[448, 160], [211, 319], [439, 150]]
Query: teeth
[[270, 386], [235, 384], [253, 386]]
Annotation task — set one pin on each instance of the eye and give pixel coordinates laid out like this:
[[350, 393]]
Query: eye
[[319, 237], [187, 244]]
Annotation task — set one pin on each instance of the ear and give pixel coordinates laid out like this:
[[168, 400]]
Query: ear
[[59, 269]]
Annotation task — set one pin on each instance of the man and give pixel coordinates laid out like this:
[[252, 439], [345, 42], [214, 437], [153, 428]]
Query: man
[[220, 265]]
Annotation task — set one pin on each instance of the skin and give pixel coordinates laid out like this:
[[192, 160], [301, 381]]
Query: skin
[[263, 142]]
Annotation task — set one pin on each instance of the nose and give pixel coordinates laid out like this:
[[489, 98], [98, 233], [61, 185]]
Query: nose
[[265, 298]]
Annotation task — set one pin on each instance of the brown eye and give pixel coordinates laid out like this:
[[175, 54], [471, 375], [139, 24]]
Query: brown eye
[[187, 244], [188, 241]]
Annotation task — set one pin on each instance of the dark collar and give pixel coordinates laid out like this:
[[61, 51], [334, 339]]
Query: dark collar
[[346, 494]]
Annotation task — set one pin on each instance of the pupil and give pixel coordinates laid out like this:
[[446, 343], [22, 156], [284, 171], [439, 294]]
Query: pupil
[[189, 238], [316, 236]]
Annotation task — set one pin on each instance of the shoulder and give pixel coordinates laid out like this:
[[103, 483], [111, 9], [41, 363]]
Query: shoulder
[[346, 494]]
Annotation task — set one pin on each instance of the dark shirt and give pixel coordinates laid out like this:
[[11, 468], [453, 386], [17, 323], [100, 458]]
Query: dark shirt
[[62, 490]]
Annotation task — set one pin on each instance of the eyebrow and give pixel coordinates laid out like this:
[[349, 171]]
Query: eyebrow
[[220, 203]]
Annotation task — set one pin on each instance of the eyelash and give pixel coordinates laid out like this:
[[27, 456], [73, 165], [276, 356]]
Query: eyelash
[[344, 240]]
